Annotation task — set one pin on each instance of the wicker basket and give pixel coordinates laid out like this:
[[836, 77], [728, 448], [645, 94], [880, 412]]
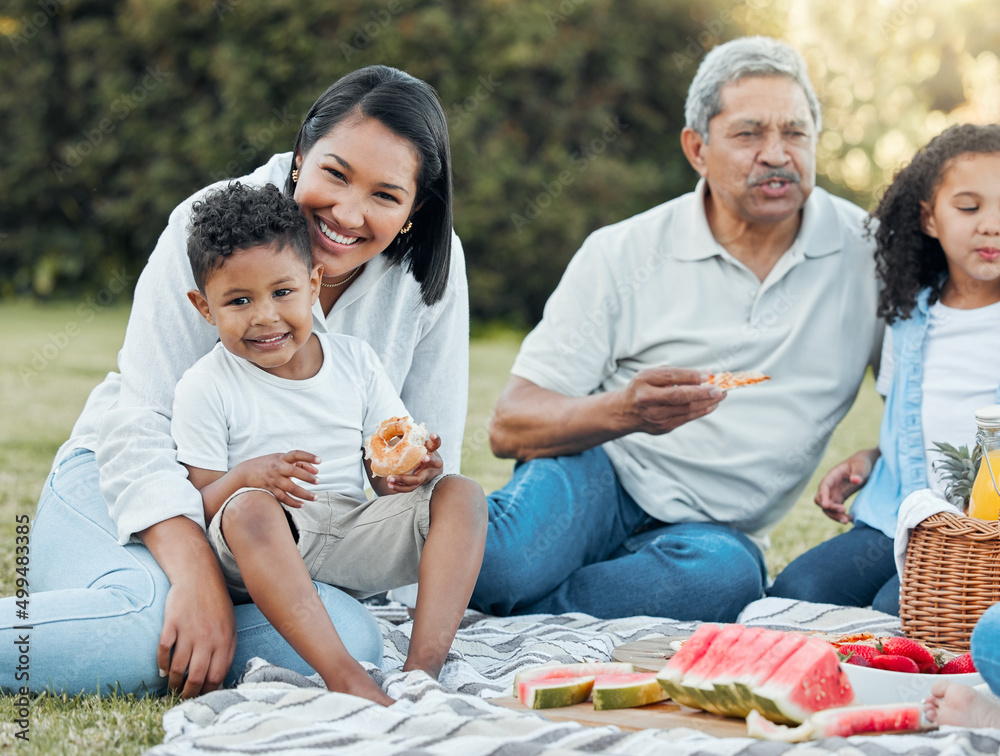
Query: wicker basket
[[951, 576]]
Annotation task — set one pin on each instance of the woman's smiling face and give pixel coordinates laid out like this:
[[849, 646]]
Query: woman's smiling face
[[356, 186]]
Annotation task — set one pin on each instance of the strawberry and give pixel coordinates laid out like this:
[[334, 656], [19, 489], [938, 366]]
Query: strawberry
[[851, 652], [960, 665], [911, 650], [857, 660], [895, 663]]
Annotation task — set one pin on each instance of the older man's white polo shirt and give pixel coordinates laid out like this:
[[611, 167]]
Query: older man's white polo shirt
[[657, 289]]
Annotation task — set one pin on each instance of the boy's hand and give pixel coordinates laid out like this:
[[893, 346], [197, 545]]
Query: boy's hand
[[278, 472], [429, 468]]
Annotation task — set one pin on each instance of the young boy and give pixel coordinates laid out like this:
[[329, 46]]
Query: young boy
[[280, 517]]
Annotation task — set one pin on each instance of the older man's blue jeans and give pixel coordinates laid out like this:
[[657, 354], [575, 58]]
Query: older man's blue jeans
[[564, 536]]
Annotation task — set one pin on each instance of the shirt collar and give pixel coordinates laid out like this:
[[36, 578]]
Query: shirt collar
[[820, 233]]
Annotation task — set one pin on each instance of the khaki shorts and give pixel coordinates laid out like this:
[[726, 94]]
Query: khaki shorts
[[362, 548]]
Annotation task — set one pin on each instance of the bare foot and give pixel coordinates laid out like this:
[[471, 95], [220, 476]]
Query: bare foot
[[360, 685], [959, 705]]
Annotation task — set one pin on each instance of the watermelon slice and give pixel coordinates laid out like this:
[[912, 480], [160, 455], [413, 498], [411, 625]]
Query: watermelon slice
[[809, 680], [696, 686], [784, 645], [841, 722], [627, 691], [693, 649], [753, 644], [549, 694], [554, 685], [845, 721]]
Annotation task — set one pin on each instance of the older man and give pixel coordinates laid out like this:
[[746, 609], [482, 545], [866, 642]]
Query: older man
[[641, 489]]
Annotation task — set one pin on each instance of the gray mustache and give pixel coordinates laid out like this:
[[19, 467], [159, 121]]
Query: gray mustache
[[775, 173]]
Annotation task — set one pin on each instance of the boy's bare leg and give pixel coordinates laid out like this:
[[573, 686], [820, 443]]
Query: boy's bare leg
[[257, 532], [449, 566], [960, 705]]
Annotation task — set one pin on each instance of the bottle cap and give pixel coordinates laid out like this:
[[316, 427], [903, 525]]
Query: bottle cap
[[988, 417]]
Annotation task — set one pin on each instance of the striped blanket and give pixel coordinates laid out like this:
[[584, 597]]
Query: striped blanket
[[276, 711]]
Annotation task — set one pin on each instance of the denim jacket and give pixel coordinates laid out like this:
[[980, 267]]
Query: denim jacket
[[902, 467]]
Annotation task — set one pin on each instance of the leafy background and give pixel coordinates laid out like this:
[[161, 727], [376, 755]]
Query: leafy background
[[564, 114]]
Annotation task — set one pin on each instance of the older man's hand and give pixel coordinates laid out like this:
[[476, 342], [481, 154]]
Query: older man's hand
[[660, 399]]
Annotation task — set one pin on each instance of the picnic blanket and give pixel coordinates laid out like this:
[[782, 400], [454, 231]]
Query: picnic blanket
[[277, 711]]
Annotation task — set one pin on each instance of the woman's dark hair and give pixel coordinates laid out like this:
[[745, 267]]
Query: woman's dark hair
[[906, 259], [238, 217], [409, 108]]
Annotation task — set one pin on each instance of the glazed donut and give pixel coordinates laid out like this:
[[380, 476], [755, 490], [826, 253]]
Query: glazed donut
[[396, 446]]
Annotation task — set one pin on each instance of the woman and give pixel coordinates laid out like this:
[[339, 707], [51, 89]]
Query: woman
[[136, 600]]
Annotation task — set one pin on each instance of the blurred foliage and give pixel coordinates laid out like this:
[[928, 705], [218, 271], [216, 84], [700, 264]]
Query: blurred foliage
[[564, 114]]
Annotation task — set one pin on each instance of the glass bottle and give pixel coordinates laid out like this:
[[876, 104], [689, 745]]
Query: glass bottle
[[985, 500]]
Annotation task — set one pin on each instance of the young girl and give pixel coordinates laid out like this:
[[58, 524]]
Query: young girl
[[938, 258]]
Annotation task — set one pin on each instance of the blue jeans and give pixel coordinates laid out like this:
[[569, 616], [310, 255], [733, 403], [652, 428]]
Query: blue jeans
[[564, 536], [96, 607], [986, 647], [856, 568]]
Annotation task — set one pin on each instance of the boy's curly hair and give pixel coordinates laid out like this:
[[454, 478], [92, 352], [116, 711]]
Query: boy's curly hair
[[239, 217], [906, 259]]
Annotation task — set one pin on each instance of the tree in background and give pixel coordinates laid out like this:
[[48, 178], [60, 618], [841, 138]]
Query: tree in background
[[564, 114]]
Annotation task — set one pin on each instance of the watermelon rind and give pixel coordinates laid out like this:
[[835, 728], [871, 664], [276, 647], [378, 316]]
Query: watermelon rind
[[693, 649], [758, 726], [552, 694], [751, 679], [696, 686], [627, 691], [556, 671]]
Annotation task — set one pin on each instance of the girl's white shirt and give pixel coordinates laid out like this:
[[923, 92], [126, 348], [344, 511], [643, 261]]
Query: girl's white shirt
[[961, 372]]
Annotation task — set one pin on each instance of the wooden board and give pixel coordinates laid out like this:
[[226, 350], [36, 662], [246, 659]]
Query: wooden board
[[647, 655], [662, 715]]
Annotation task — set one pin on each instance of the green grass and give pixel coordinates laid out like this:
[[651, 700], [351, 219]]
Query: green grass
[[55, 355]]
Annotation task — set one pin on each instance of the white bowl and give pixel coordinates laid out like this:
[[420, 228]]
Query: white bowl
[[880, 686]]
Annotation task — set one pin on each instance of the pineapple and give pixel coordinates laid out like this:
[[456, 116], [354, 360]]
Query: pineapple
[[957, 468]]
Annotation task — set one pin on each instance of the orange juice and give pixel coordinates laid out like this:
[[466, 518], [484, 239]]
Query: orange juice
[[985, 501]]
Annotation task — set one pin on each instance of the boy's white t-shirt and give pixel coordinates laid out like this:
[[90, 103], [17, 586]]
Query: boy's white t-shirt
[[960, 374], [228, 410]]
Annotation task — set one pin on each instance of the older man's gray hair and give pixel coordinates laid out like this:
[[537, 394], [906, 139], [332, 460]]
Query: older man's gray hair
[[735, 60]]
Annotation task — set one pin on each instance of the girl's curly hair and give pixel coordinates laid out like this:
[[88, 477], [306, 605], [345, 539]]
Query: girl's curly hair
[[906, 259]]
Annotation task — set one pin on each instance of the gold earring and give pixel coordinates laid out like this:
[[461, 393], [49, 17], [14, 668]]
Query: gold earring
[[406, 229], [295, 176]]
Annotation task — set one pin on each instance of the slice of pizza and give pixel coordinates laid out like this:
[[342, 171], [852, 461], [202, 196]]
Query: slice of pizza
[[726, 381]]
